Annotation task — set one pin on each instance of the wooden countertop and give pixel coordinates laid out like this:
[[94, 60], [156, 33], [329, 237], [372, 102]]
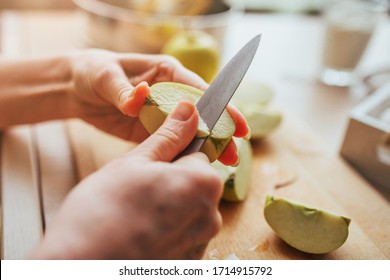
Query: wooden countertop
[[39, 165]]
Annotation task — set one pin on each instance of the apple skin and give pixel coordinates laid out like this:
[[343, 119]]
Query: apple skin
[[261, 121], [237, 179], [305, 228], [253, 98], [196, 50]]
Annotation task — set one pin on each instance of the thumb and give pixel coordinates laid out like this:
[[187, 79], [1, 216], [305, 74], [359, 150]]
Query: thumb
[[173, 136]]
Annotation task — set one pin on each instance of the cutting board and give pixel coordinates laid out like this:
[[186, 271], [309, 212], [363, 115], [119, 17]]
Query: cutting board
[[37, 173], [21, 220], [289, 163]]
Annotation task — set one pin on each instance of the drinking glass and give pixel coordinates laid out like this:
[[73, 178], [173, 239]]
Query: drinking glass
[[349, 26]]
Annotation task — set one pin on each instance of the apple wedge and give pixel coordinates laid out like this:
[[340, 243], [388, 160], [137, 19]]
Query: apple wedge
[[253, 98], [261, 121], [305, 228], [253, 91], [237, 178], [162, 100]]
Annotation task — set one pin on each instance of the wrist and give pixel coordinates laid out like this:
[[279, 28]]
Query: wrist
[[35, 90]]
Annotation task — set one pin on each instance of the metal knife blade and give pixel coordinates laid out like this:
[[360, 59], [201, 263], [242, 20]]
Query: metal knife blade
[[217, 96]]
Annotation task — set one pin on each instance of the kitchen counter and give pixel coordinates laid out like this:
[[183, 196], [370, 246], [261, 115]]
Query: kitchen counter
[[41, 163]]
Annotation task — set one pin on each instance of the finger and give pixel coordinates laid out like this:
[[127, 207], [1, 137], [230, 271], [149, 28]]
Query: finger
[[159, 68], [196, 252], [168, 71], [242, 128], [113, 85], [230, 155], [173, 136], [208, 180], [132, 103], [192, 158], [186, 76]]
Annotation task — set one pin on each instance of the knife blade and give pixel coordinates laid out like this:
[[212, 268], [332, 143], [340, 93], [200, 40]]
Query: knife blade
[[215, 99]]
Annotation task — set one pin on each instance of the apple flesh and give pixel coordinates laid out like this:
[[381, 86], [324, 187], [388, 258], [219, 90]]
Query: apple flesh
[[305, 228], [162, 100], [237, 178], [261, 121], [252, 98]]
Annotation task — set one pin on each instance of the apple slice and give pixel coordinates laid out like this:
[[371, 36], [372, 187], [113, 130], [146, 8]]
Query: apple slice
[[236, 178], [305, 228], [261, 121], [162, 100], [253, 91], [252, 99]]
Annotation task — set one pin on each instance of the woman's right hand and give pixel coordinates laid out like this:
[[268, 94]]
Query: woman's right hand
[[142, 205]]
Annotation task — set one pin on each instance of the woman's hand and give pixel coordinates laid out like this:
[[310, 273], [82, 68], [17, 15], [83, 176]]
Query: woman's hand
[[103, 79], [141, 205], [104, 88]]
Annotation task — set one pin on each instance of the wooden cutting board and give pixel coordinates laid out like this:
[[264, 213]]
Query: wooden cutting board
[[37, 172], [20, 203], [290, 163]]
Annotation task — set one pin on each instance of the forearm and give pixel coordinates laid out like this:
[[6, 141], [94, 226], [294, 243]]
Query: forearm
[[34, 90]]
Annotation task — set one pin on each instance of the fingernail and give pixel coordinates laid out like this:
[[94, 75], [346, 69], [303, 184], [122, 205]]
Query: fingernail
[[183, 111], [237, 162]]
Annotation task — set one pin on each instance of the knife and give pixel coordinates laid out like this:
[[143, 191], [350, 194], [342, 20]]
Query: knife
[[215, 99]]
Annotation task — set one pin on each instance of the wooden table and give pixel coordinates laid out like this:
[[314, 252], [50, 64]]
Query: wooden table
[[39, 165]]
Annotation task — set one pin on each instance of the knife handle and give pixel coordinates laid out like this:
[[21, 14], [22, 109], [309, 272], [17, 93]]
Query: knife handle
[[195, 146]]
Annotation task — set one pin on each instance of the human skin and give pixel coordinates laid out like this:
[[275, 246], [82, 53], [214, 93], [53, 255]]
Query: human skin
[[103, 88], [142, 205]]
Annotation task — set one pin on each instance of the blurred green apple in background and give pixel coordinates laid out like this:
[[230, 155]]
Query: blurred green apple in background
[[197, 51]]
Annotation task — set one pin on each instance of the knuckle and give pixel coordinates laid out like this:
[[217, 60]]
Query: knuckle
[[170, 136], [168, 66], [204, 180], [216, 225], [102, 76], [214, 184], [123, 92], [165, 58]]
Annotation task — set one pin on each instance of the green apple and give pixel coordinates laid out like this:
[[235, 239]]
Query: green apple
[[162, 100], [261, 121], [252, 99], [306, 228], [197, 51], [252, 91], [237, 178]]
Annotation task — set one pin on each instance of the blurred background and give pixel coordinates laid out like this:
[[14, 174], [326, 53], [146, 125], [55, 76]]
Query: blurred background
[[318, 59], [317, 95]]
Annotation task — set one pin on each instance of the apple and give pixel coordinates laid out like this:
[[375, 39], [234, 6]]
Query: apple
[[197, 51], [261, 120], [252, 98], [237, 178], [306, 228], [162, 100], [253, 91]]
